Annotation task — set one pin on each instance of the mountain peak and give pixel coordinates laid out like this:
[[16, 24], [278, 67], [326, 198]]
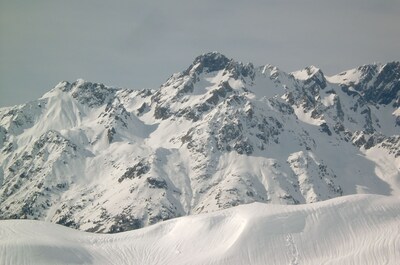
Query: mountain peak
[[211, 56], [307, 73], [212, 61], [91, 94]]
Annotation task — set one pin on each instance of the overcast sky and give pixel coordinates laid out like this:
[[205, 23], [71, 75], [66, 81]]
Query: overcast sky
[[139, 44]]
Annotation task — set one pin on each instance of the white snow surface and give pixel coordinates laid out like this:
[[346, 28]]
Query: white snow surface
[[355, 229], [305, 73]]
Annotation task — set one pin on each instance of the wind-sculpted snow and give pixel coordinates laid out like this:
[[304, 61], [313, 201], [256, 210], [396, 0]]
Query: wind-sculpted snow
[[357, 229], [219, 134]]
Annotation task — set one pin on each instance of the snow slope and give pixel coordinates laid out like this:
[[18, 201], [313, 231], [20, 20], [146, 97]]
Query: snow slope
[[356, 229]]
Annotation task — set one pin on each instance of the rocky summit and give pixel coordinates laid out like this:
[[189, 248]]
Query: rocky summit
[[218, 134]]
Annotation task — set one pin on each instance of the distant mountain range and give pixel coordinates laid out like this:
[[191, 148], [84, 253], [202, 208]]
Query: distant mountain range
[[219, 134]]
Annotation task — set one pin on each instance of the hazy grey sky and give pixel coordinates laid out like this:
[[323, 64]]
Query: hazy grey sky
[[139, 44]]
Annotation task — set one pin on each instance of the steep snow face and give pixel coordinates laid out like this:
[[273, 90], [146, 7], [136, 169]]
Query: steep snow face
[[219, 134], [361, 229]]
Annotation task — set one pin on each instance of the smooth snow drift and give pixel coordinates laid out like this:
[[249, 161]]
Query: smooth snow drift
[[357, 229]]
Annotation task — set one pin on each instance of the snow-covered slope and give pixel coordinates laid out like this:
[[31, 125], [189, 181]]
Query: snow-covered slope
[[219, 134], [356, 229]]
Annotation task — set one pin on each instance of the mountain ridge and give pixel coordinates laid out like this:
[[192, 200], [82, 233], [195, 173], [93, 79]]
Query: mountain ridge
[[219, 134]]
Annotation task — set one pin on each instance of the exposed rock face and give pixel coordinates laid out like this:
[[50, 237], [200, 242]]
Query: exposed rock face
[[219, 134]]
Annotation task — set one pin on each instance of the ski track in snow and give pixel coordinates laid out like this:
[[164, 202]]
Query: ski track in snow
[[356, 229], [293, 252]]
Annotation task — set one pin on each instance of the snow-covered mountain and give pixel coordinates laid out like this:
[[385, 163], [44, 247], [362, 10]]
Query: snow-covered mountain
[[356, 229], [219, 134]]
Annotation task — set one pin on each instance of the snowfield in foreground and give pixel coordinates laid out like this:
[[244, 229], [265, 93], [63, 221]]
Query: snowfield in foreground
[[356, 229]]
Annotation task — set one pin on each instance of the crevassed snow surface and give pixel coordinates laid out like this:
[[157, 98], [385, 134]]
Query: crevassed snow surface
[[356, 229]]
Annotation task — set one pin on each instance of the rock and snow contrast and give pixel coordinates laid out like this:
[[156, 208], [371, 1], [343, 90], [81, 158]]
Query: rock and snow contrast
[[355, 229], [219, 134]]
